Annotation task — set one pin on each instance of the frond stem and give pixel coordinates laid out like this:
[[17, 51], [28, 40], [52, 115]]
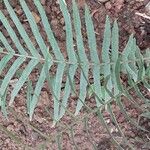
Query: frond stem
[[42, 60]]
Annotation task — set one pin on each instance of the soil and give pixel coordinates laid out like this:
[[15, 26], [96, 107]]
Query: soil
[[85, 133]]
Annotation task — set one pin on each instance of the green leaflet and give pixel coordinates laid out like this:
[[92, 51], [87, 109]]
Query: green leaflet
[[67, 90], [83, 91], [106, 56], [59, 141], [117, 74], [9, 75], [5, 43], [31, 65], [79, 39], [57, 90], [4, 62], [141, 71], [71, 55], [138, 56], [146, 84], [129, 51], [146, 56], [29, 94], [12, 34], [114, 54], [136, 88], [37, 91], [69, 33], [106, 88], [1, 49], [83, 61], [146, 115], [94, 56], [132, 57], [3, 104]]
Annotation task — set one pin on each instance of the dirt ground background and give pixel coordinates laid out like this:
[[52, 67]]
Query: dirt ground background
[[18, 133]]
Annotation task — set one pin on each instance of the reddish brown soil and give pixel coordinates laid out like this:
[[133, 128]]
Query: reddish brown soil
[[18, 133]]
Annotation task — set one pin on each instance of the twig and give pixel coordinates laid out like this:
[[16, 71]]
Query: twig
[[143, 15]]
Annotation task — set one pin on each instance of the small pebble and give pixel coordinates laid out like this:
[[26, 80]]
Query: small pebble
[[43, 2], [108, 5]]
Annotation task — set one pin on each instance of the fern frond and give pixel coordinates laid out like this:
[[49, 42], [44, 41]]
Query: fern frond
[[106, 70], [79, 59]]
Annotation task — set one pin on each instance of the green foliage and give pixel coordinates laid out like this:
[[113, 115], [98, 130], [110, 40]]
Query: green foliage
[[107, 84]]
